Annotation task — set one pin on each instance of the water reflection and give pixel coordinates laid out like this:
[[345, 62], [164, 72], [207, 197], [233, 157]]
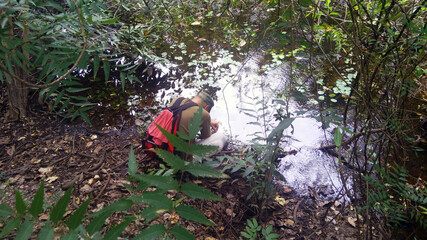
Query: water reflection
[[241, 88]]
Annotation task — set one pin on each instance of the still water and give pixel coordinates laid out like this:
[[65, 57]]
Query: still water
[[240, 88]]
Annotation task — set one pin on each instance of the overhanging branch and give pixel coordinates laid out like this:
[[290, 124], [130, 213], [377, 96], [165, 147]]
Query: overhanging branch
[[14, 76]]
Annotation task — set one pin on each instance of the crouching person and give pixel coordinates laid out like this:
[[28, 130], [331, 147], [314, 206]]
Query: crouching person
[[177, 118]]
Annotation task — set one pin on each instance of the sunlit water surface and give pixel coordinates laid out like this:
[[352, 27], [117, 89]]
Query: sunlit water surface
[[309, 167]]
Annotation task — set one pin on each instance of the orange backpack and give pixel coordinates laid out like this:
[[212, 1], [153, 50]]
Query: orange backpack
[[169, 120]]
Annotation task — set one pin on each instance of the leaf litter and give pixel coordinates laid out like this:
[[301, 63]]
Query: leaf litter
[[98, 167]]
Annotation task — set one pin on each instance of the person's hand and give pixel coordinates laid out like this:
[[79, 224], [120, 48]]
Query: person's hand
[[214, 126]]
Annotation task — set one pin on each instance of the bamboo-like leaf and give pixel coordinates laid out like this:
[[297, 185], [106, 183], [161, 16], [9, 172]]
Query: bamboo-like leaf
[[123, 80], [84, 116], [96, 62], [174, 161], [20, 205], [5, 210], [190, 213], [106, 70], [181, 233], [54, 5], [151, 233], [37, 203], [76, 219], [110, 21], [199, 150], [10, 226], [178, 143], [162, 182], [201, 170], [47, 232], [76, 90], [197, 192], [115, 232], [57, 99], [51, 91], [19, 63], [83, 61], [132, 164], [25, 230]]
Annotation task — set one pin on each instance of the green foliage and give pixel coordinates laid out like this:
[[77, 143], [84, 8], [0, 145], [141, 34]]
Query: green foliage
[[395, 199], [258, 166], [158, 202], [254, 231], [23, 219]]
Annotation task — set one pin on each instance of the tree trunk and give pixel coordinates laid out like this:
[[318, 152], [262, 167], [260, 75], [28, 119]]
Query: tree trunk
[[17, 90], [17, 98]]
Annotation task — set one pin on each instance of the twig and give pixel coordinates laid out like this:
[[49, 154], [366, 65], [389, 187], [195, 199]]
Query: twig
[[354, 137], [296, 210], [104, 187]]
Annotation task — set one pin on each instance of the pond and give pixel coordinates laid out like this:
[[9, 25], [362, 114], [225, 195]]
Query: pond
[[309, 167], [245, 85]]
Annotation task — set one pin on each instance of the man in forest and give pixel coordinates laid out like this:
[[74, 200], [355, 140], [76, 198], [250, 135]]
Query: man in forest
[[177, 118]]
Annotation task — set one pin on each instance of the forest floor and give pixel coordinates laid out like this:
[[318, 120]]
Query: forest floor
[[42, 147]]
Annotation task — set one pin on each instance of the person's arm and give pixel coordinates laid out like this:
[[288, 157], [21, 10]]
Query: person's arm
[[214, 126], [205, 132]]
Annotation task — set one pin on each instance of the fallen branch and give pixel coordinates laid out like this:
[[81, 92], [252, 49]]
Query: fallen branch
[[354, 137]]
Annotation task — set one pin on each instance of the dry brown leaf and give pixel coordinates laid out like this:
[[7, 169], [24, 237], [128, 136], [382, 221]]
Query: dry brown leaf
[[229, 212], [35, 160], [97, 149], [51, 179], [4, 140], [288, 222], [352, 221], [43, 217], [287, 189], [88, 144], [10, 150], [45, 170]]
